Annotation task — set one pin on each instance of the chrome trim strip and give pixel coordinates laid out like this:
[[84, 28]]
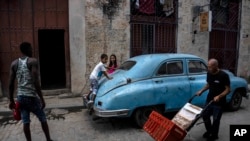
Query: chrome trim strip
[[110, 113]]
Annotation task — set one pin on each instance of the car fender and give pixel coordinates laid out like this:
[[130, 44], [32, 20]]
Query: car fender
[[130, 96]]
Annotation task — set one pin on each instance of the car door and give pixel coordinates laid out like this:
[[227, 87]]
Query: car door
[[171, 84], [197, 74]]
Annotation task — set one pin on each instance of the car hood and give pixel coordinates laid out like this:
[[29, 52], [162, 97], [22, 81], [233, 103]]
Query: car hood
[[120, 78]]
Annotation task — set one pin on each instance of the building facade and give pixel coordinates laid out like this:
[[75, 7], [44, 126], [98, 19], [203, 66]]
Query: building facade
[[84, 29]]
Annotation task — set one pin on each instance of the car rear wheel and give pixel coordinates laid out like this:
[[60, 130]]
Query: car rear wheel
[[236, 100], [141, 115]]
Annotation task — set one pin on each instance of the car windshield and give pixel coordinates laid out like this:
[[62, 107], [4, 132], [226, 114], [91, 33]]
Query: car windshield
[[127, 65]]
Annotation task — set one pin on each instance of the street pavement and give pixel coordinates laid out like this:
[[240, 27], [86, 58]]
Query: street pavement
[[69, 121], [11, 130], [65, 101]]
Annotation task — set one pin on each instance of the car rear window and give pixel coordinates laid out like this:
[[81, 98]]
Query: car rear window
[[127, 65]]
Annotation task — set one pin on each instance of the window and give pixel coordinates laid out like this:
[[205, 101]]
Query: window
[[159, 8], [196, 67], [153, 25], [127, 65], [174, 68], [170, 68], [162, 70]]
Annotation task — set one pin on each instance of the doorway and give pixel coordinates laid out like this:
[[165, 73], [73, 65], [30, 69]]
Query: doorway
[[223, 41], [52, 58]]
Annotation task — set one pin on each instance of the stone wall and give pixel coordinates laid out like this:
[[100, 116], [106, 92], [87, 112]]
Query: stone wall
[[106, 34]]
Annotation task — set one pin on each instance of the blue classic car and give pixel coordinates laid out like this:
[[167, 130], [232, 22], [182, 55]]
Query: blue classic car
[[161, 82]]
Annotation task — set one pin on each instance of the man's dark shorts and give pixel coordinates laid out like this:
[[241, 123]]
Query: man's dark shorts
[[30, 104]]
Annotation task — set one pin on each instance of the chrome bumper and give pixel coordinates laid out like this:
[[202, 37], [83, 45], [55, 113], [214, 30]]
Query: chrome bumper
[[110, 113]]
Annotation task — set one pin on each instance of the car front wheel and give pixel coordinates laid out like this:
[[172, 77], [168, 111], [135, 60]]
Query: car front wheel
[[236, 100], [141, 115]]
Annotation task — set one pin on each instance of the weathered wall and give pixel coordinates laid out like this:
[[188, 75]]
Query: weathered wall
[[187, 41], [198, 44], [244, 42], [77, 44], [105, 33], [93, 32]]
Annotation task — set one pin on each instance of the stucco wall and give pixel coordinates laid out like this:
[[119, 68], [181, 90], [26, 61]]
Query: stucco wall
[[77, 44], [244, 42], [188, 22]]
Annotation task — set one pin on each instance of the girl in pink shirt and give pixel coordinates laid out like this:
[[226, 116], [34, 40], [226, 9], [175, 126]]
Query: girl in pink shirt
[[112, 63]]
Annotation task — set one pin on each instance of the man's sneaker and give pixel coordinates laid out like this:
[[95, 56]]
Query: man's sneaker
[[90, 103], [206, 135]]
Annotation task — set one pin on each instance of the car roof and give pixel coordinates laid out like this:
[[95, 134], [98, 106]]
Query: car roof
[[162, 56], [146, 64]]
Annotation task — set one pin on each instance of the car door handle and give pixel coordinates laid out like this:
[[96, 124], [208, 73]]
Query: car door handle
[[191, 78]]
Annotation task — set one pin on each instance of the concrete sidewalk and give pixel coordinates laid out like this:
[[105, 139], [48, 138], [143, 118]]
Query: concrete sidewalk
[[62, 101]]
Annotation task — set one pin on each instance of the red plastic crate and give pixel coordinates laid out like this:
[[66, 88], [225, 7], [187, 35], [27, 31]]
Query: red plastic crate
[[163, 129]]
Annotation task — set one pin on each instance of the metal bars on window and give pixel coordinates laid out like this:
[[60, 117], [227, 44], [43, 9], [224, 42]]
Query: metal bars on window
[[224, 35], [153, 26]]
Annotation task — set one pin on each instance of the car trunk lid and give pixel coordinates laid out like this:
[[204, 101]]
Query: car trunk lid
[[119, 79]]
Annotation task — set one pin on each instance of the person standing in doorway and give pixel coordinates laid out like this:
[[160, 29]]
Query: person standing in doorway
[[29, 94], [218, 84]]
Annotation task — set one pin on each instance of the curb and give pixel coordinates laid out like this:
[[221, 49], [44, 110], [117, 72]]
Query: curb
[[67, 104], [67, 107]]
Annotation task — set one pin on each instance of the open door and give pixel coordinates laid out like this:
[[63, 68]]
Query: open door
[[52, 58]]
